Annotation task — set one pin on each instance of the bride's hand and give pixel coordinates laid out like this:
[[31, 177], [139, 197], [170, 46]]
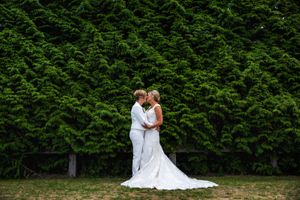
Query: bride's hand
[[145, 126], [157, 128]]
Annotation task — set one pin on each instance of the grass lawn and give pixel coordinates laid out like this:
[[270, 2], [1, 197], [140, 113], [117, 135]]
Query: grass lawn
[[230, 187]]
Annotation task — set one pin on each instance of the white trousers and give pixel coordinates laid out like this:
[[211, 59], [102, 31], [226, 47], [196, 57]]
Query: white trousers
[[137, 139]]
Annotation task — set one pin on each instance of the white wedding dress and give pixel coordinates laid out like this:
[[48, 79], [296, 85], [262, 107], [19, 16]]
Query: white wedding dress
[[157, 171]]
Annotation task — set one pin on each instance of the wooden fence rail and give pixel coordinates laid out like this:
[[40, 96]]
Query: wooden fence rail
[[72, 167]]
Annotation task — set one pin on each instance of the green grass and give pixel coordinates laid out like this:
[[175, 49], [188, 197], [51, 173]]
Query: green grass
[[230, 187]]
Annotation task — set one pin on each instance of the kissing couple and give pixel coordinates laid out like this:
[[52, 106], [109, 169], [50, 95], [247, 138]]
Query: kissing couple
[[151, 168]]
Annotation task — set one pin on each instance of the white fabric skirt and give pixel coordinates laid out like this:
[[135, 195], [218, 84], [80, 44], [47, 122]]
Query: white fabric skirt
[[159, 172]]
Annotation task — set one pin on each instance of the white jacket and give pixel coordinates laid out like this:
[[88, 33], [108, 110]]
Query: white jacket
[[138, 117]]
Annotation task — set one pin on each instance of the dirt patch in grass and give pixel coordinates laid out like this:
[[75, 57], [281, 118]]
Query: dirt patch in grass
[[267, 189]]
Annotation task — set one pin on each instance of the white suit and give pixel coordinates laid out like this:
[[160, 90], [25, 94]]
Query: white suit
[[137, 133]]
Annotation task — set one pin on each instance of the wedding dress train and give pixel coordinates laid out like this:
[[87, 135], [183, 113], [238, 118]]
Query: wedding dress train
[[157, 170]]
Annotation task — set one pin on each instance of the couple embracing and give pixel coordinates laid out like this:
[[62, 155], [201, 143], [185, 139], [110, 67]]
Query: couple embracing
[[151, 168]]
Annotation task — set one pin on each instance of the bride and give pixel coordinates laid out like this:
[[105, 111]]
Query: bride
[[157, 171]]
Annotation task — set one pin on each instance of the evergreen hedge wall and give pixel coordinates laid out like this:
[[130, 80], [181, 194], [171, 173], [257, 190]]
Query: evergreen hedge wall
[[227, 71]]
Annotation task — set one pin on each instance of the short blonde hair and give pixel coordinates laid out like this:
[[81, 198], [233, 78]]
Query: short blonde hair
[[139, 93], [155, 94]]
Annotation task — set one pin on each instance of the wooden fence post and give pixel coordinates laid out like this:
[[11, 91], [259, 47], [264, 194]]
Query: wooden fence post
[[72, 165], [274, 161]]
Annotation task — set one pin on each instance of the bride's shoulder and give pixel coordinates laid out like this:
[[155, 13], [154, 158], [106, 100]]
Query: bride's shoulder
[[156, 105]]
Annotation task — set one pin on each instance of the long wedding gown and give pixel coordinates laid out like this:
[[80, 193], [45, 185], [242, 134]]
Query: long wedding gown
[[157, 171]]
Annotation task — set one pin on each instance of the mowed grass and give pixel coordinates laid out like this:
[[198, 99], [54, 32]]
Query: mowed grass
[[230, 187]]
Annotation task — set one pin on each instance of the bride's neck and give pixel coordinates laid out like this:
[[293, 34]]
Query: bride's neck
[[152, 103]]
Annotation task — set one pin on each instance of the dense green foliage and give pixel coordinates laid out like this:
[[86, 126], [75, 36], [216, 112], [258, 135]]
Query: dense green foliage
[[227, 71]]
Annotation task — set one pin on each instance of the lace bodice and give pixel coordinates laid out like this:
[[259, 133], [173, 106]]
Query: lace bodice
[[151, 116]]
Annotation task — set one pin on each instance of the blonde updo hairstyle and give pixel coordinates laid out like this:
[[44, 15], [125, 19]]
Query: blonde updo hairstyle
[[155, 94], [139, 93]]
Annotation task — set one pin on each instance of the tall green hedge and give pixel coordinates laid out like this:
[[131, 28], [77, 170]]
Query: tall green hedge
[[227, 71]]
